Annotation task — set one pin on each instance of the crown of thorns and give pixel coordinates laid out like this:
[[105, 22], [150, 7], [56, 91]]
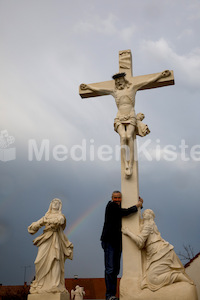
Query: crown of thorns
[[118, 75]]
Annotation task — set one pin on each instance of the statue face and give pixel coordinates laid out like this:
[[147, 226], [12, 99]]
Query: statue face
[[141, 116], [117, 198], [55, 205], [120, 83], [147, 215]]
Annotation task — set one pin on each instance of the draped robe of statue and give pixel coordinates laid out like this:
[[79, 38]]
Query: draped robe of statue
[[53, 249], [161, 265]]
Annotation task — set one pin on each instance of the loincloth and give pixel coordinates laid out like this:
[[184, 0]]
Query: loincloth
[[141, 128], [125, 120]]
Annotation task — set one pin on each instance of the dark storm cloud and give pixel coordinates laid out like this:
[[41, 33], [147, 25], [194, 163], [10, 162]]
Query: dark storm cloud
[[46, 54]]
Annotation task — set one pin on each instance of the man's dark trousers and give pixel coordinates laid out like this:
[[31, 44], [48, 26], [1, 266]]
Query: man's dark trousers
[[112, 255]]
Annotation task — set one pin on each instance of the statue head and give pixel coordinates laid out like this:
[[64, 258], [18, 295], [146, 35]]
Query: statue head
[[120, 81], [140, 116], [148, 214], [55, 206]]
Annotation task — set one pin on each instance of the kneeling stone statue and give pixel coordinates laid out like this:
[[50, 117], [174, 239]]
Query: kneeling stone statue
[[161, 265]]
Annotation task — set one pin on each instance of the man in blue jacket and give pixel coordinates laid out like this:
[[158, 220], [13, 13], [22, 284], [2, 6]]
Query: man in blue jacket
[[111, 240]]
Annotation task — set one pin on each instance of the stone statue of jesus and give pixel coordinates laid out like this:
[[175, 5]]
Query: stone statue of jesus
[[125, 122]]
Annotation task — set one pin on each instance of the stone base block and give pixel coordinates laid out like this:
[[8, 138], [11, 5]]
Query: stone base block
[[130, 290], [49, 296]]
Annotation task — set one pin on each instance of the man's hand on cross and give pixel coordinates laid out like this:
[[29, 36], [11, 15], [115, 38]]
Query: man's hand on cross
[[140, 202]]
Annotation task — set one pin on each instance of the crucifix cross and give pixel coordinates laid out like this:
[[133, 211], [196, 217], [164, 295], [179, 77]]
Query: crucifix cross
[[125, 65], [123, 88]]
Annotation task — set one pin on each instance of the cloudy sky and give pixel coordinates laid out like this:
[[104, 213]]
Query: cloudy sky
[[47, 49]]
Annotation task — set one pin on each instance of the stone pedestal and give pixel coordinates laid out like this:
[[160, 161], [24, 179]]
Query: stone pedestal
[[130, 290], [49, 296]]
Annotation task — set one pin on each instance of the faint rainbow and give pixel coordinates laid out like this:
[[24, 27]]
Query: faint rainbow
[[69, 231]]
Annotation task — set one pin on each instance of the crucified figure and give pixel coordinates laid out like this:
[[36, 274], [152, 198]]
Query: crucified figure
[[125, 122]]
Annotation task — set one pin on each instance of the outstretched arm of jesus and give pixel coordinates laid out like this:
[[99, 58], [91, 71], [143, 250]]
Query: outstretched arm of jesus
[[163, 74], [104, 91]]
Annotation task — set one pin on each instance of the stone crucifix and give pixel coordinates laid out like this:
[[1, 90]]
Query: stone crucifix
[[123, 88]]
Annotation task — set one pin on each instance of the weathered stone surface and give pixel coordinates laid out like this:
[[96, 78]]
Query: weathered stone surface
[[53, 249], [130, 290], [49, 296]]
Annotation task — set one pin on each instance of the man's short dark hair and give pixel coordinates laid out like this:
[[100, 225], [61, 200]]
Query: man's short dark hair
[[115, 192]]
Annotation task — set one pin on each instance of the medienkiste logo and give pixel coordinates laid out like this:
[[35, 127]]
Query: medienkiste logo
[[7, 153]]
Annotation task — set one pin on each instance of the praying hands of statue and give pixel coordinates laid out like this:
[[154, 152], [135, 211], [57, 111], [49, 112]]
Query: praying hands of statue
[[54, 223], [58, 220]]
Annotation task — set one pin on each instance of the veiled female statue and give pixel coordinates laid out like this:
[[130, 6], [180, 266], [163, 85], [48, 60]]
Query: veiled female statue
[[78, 293], [53, 249], [161, 265]]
